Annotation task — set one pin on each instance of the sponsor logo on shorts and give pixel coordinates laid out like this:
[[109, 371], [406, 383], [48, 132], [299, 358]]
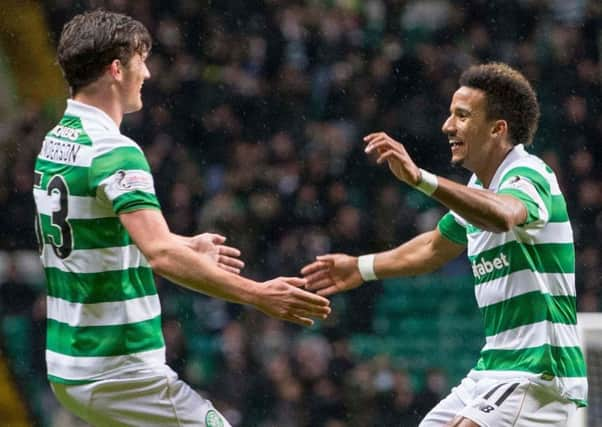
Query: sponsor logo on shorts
[[213, 419], [487, 408]]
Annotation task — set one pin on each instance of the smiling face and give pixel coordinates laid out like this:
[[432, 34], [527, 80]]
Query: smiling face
[[134, 75], [470, 133]]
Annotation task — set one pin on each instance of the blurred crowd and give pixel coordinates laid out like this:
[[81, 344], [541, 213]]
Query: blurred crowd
[[253, 125]]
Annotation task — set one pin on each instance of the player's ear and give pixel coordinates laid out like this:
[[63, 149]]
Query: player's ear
[[499, 129], [115, 69]]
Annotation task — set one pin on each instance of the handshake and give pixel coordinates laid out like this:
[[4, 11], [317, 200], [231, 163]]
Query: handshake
[[299, 300], [294, 299]]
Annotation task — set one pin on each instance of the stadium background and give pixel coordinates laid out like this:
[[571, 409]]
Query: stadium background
[[252, 124]]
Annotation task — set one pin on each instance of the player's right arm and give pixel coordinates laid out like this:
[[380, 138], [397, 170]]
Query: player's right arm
[[425, 253], [170, 257], [227, 257]]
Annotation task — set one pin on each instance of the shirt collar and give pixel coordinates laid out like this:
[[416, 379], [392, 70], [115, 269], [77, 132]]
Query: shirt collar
[[516, 152], [87, 111]]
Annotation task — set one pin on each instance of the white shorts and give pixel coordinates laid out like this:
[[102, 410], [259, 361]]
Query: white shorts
[[151, 397], [502, 403]]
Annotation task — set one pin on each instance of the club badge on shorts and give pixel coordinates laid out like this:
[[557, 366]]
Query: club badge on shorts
[[212, 419]]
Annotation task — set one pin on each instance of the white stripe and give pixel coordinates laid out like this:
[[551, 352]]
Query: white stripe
[[459, 219], [104, 313], [525, 281], [553, 232], [113, 187], [84, 156], [91, 118], [104, 143], [95, 260], [534, 335], [79, 207], [96, 368]]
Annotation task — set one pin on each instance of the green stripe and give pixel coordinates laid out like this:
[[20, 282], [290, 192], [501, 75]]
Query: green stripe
[[471, 229], [541, 183], [529, 308], [51, 234], [105, 340], [59, 380], [558, 209], [547, 359], [96, 233], [530, 204], [120, 158], [75, 176], [543, 258], [71, 121], [135, 200], [99, 233], [451, 230], [107, 286]]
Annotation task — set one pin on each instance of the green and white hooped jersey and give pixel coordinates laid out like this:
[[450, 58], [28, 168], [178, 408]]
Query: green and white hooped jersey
[[525, 281], [104, 316]]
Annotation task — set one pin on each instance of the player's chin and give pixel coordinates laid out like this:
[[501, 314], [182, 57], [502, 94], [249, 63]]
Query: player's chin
[[457, 161], [135, 106]]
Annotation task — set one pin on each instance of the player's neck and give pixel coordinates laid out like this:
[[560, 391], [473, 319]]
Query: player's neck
[[495, 159], [102, 98]]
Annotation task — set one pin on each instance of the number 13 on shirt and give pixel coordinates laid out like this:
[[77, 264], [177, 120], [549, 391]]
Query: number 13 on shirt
[[52, 226]]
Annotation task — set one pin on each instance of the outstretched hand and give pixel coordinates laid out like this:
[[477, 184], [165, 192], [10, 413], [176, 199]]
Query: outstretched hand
[[396, 156], [212, 244], [331, 274], [284, 299]]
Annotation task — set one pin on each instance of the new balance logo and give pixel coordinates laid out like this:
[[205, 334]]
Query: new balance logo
[[484, 267], [487, 408]]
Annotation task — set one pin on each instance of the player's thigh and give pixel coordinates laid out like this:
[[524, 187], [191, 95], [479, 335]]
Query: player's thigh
[[447, 410], [462, 422], [192, 407], [518, 403], [158, 400]]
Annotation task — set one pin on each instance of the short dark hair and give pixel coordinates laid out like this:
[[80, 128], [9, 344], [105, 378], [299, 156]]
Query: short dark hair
[[509, 96], [92, 40]]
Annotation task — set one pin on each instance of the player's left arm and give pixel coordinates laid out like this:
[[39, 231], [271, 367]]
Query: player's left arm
[[523, 200], [482, 208]]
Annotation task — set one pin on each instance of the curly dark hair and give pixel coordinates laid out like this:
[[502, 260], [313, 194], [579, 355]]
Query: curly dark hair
[[509, 96], [92, 40]]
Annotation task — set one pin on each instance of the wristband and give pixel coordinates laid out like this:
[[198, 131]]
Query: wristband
[[365, 264], [428, 182]]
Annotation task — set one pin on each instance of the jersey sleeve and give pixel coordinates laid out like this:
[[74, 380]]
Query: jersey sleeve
[[452, 229], [122, 177], [533, 190]]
